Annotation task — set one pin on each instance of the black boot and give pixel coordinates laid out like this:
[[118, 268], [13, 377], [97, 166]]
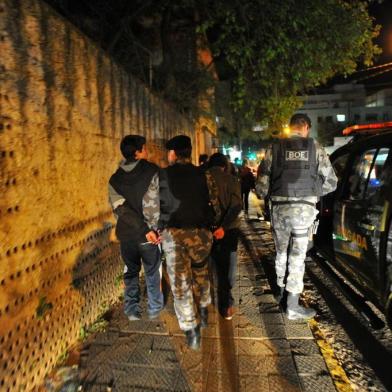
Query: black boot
[[278, 294], [193, 338], [204, 317], [297, 312]]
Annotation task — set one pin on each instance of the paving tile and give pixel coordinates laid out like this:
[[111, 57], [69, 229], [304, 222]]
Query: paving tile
[[295, 331], [253, 331], [222, 382], [267, 298], [269, 307], [263, 347], [148, 379], [304, 347], [275, 331], [254, 383], [182, 384], [224, 361], [310, 364], [272, 318], [251, 365], [197, 380], [283, 384], [258, 350], [317, 383], [280, 365]]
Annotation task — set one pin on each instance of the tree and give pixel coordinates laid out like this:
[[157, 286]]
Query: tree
[[275, 50], [278, 49]]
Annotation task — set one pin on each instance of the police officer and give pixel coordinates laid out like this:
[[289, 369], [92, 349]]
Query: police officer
[[185, 220], [295, 173], [134, 196]]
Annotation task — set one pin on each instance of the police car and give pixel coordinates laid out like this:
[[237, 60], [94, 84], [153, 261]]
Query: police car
[[355, 232]]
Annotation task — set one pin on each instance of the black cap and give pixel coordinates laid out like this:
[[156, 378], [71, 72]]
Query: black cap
[[180, 142]]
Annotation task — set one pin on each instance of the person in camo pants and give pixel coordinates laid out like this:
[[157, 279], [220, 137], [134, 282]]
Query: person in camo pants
[[186, 252], [186, 215], [295, 173]]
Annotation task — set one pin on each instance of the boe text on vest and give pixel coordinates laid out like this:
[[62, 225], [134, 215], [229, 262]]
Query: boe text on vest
[[297, 155]]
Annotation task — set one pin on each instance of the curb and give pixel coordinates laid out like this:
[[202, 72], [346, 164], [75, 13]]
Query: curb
[[338, 375]]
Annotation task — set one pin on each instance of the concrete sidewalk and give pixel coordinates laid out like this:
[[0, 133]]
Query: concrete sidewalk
[[258, 350]]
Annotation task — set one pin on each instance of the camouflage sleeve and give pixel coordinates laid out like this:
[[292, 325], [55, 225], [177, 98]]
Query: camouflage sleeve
[[326, 172], [214, 196], [263, 177], [151, 203], [115, 199]]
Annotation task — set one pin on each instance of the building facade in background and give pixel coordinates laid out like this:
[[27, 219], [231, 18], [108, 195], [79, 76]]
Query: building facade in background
[[345, 105]]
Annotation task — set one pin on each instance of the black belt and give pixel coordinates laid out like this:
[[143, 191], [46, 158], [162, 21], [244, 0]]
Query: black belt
[[293, 202]]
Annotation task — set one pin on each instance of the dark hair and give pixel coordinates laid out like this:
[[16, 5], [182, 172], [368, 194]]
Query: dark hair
[[218, 159], [184, 153], [130, 144], [300, 119], [203, 158]]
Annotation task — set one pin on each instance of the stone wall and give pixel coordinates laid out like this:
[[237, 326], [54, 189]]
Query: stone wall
[[64, 107]]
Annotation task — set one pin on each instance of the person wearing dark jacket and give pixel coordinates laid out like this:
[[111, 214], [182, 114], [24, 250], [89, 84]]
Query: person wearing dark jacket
[[247, 183], [134, 196], [224, 249], [185, 220]]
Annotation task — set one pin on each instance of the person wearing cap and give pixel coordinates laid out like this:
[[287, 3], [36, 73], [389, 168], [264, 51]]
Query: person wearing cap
[[134, 197], [186, 217], [296, 172]]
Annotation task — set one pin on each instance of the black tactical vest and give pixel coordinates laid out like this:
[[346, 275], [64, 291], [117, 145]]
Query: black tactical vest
[[294, 168], [188, 197], [134, 184]]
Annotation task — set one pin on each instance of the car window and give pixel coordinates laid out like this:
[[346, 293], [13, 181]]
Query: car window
[[339, 165], [359, 175], [378, 175]]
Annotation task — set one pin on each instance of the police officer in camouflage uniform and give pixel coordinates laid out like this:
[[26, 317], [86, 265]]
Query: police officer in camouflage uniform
[[134, 196], [185, 220], [295, 173]]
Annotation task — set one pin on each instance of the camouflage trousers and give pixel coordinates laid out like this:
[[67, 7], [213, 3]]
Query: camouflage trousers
[[187, 252], [291, 222]]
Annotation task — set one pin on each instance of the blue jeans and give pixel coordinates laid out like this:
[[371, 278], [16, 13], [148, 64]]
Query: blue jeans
[[224, 260], [134, 255]]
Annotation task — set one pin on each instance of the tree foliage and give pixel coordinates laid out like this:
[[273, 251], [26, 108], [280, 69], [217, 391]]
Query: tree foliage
[[276, 50], [279, 49]]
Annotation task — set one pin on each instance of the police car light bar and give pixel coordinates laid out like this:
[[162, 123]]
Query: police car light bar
[[372, 128]]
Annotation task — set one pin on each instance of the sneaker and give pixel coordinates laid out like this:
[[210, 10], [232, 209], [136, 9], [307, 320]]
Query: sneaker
[[192, 338], [204, 317], [153, 315], [134, 317], [278, 293], [228, 313], [297, 312]]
